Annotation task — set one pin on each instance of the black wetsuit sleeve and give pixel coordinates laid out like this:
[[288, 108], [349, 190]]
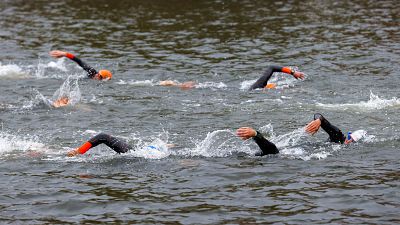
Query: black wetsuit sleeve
[[263, 80], [266, 146], [114, 143], [91, 72], [335, 134]]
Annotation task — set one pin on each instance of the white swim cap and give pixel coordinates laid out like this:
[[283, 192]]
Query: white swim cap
[[358, 134]]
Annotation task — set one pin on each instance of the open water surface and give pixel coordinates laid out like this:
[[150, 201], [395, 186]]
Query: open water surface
[[349, 50]]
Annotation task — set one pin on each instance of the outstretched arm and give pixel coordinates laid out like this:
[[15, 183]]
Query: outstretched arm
[[90, 70], [335, 134], [114, 143], [263, 80], [266, 146], [185, 85]]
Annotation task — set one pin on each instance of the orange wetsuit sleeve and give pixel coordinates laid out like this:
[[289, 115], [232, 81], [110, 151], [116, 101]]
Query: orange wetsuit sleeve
[[84, 148], [288, 70], [69, 55]]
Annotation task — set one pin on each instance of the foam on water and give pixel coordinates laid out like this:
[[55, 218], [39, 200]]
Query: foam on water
[[138, 82], [41, 70], [11, 71], [373, 103], [218, 143], [51, 69], [216, 85], [156, 149], [59, 64], [212, 85], [10, 142]]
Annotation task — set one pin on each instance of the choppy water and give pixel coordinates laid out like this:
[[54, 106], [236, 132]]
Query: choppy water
[[349, 51]]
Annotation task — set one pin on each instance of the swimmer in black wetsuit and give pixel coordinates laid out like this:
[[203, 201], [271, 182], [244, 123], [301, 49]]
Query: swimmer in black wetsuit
[[114, 143], [262, 82], [266, 146], [91, 72], [335, 134]]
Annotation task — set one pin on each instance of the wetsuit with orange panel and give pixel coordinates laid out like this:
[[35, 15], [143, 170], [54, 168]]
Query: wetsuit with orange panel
[[114, 143], [91, 72], [121, 146], [263, 80]]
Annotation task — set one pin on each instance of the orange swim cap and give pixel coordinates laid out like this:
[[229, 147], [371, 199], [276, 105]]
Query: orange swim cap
[[270, 85], [105, 74]]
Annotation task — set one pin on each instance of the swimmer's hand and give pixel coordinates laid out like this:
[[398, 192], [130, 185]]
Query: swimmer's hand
[[73, 153], [57, 54], [313, 126], [298, 75], [246, 132]]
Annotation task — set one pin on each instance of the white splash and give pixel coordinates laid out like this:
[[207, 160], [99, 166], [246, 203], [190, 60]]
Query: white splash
[[218, 143], [290, 139], [217, 85], [11, 71], [9, 143], [69, 89], [59, 64], [157, 149], [373, 103], [138, 82], [245, 85], [41, 68]]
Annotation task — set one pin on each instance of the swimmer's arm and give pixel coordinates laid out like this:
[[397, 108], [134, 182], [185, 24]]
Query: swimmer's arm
[[81, 150], [266, 146], [294, 73], [288, 70], [114, 143], [335, 134], [263, 80], [90, 70]]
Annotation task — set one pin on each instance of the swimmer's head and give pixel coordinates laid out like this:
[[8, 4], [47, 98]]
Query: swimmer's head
[[355, 136], [63, 101], [270, 85], [104, 75]]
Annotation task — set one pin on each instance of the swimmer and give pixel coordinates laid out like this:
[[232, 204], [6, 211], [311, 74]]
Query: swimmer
[[335, 134], [114, 143], [63, 101], [262, 82], [91, 72], [266, 146], [185, 85]]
